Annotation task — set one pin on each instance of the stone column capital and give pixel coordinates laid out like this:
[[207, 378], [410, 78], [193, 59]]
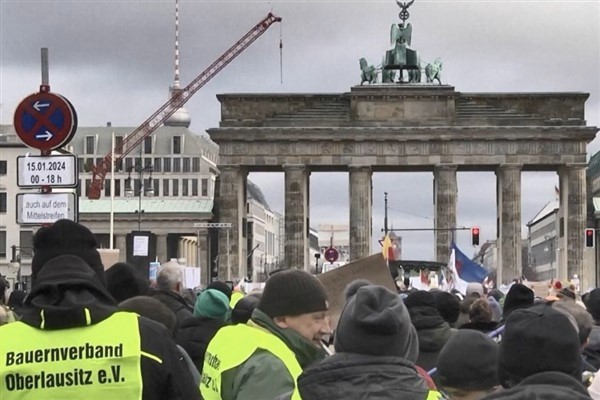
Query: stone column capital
[[229, 167], [445, 167], [509, 167], [573, 167], [294, 167], [358, 167]]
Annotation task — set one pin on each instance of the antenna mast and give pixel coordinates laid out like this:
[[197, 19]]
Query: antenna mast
[[176, 80]]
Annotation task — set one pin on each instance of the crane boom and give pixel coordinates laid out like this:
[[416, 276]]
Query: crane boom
[[177, 100]]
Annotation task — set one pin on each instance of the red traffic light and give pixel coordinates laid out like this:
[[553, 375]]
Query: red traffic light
[[475, 236], [590, 237]]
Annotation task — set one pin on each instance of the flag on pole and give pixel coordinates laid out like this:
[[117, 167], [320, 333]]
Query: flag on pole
[[468, 270], [451, 277], [387, 250]]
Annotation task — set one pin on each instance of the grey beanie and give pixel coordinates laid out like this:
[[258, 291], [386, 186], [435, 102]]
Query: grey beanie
[[376, 322], [469, 361]]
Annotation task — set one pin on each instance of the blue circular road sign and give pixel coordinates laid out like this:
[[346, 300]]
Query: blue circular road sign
[[45, 121]]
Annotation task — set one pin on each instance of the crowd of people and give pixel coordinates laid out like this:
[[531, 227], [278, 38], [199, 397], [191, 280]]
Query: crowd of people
[[86, 332]]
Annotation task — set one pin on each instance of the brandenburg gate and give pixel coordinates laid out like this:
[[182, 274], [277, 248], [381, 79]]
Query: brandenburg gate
[[409, 127]]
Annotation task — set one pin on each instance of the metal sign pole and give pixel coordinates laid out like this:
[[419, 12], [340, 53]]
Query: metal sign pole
[[228, 258], [45, 71], [198, 249]]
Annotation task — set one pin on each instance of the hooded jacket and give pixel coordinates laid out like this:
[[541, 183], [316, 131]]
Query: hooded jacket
[[356, 376], [433, 333], [549, 385], [68, 294]]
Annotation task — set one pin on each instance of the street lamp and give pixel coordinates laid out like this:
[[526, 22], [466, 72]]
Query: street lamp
[[146, 191], [551, 249], [15, 263]]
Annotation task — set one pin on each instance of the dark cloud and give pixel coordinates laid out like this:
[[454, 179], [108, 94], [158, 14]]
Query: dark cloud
[[114, 61]]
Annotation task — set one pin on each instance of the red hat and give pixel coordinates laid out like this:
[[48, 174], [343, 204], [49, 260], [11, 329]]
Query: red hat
[[557, 285]]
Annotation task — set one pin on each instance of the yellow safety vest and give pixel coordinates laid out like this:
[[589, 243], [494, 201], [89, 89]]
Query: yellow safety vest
[[93, 362], [434, 395], [235, 297], [232, 346]]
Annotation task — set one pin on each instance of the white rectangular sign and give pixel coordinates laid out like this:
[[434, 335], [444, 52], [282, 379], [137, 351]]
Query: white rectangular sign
[[140, 246], [45, 208], [55, 171]]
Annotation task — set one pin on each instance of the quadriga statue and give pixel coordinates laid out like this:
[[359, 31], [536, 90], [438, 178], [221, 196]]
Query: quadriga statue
[[433, 71], [368, 72]]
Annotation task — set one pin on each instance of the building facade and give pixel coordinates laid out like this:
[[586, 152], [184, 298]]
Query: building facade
[[165, 187], [543, 234], [262, 234]]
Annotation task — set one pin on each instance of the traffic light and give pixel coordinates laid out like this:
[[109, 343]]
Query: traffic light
[[475, 236], [590, 237]]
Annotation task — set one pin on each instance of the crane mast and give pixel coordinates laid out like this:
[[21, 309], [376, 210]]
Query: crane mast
[[177, 100]]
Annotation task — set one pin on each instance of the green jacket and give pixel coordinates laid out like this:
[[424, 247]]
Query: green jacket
[[264, 376]]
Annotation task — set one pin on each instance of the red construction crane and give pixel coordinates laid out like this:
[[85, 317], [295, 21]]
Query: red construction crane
[[177, 100]]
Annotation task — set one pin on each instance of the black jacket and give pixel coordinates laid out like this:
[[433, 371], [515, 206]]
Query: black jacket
[[354, 376], [591, 353], [66, 287], [176, 303], [433, 334], [544, 386], [194, 335]]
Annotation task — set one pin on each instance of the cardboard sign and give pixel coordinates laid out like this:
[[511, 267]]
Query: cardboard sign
[[372, 268], [109, 257]]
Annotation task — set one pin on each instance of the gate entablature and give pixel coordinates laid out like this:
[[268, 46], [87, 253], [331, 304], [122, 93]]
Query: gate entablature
[[403, 105]]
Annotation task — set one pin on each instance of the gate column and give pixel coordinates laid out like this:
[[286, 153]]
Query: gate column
[[572, 232], [231, 199], [444, 198], [508, 195], [361, 204], [296, 216]]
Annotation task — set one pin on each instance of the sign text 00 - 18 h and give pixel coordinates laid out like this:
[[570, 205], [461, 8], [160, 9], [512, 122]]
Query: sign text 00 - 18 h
[[55, 171], [45, 121]]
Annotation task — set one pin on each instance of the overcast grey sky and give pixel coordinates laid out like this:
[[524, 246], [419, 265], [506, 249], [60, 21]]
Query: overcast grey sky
[[114, 61]]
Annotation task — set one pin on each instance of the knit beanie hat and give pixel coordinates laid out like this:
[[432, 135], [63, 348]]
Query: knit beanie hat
[[353, 287], [593, 303], [475, 288], [518, 296], [468, 361], [448, 306], [221, 287], [124, 282], [376, 322], [420, 298], [293, 292], [62, 238], [242, 311], [538, 339], [212, 303]]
